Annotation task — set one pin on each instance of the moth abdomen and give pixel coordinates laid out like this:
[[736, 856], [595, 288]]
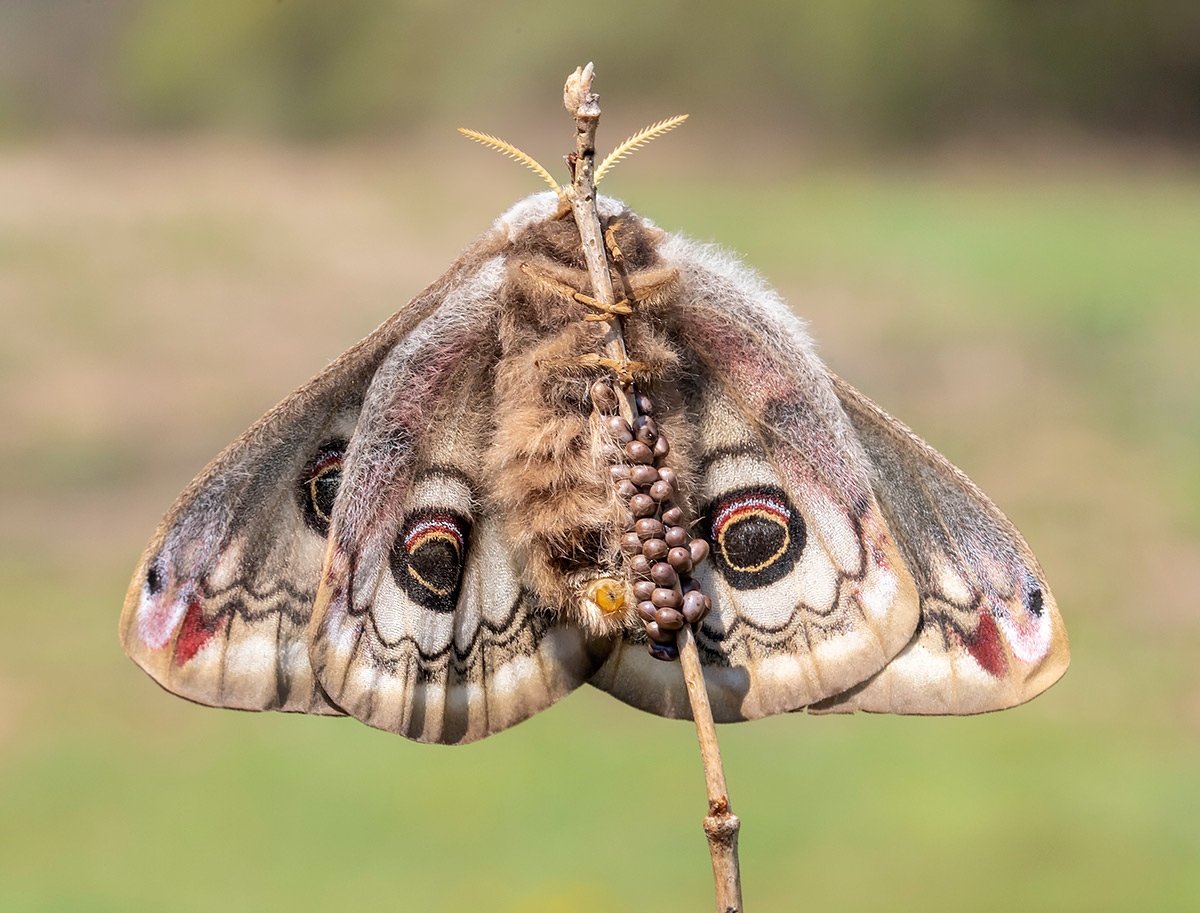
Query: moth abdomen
[[545, 477]]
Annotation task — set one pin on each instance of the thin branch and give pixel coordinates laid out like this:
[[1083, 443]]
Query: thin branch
[[581, 194], [721, 826]]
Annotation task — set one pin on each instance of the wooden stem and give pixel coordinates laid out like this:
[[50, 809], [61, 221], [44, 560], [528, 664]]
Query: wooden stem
[[581, 194], [721, 826]]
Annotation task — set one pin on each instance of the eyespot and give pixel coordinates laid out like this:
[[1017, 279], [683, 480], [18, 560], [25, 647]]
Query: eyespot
[[317, 487], [1034, 603], [428, 557], [757, 536]]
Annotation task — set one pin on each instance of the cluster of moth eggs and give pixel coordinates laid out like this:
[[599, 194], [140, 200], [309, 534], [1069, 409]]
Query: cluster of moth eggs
[[661, 551]]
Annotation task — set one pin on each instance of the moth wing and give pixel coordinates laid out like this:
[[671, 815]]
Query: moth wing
[[810, 592], [991, 635], [218, 608], [422, 625]]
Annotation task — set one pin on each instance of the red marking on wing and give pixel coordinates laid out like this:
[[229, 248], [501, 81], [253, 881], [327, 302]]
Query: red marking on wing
[[435, 524], [195, 632], [754, 505], [877, 554], [985, 646], [328, 461]]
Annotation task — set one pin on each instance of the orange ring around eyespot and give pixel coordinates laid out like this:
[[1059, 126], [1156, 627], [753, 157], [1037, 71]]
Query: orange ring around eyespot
[[433, 529], [738, 516], [332, 465]]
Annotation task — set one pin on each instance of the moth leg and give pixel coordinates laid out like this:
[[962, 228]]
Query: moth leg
[[567, 293], [618, 307], [610, 240], [654, 288], [624, 369], [549, 284]]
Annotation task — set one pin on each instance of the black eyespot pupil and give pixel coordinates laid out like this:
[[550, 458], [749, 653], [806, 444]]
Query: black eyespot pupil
[[437, 564], [1035, 603], [324, 491], [752, 541], [757, 535], [429, 556]]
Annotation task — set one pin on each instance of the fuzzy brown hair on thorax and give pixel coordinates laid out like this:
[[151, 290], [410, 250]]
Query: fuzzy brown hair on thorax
[[549, 461], [558, 240]]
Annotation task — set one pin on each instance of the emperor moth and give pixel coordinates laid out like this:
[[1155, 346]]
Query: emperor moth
[[428, 535]]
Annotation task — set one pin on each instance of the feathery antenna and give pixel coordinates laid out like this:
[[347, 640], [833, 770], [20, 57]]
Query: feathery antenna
[[638, 139], [508, 149]]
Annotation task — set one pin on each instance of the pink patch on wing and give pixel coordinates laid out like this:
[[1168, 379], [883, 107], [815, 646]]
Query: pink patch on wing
[[158, 617], [985, 646], [195, 632], [765, 384], [749, 366], [1029, 635]]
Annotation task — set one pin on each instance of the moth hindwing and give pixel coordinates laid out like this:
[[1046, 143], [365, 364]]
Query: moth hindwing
[[449, 528]]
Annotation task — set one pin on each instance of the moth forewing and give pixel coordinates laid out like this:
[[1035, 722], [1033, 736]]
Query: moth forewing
[[218, 607], [991, 634]]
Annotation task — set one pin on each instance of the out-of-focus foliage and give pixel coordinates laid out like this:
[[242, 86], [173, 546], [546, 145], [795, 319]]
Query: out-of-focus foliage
[[858, 70]]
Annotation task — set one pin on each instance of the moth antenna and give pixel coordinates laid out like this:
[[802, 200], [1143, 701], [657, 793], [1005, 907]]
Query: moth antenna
[[511, 151], [638, 139]]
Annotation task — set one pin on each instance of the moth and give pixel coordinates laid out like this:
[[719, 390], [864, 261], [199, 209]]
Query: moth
[[428, 535]]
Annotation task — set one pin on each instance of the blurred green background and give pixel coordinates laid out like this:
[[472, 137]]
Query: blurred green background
[[990, 214]]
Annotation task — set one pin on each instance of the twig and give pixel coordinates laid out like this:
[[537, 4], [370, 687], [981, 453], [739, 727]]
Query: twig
[[581, 193], [721, 826]]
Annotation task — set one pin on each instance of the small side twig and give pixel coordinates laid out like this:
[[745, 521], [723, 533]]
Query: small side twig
[[721, 826]]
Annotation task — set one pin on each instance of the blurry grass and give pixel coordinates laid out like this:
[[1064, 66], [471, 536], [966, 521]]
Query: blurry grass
[[1039, 328]]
